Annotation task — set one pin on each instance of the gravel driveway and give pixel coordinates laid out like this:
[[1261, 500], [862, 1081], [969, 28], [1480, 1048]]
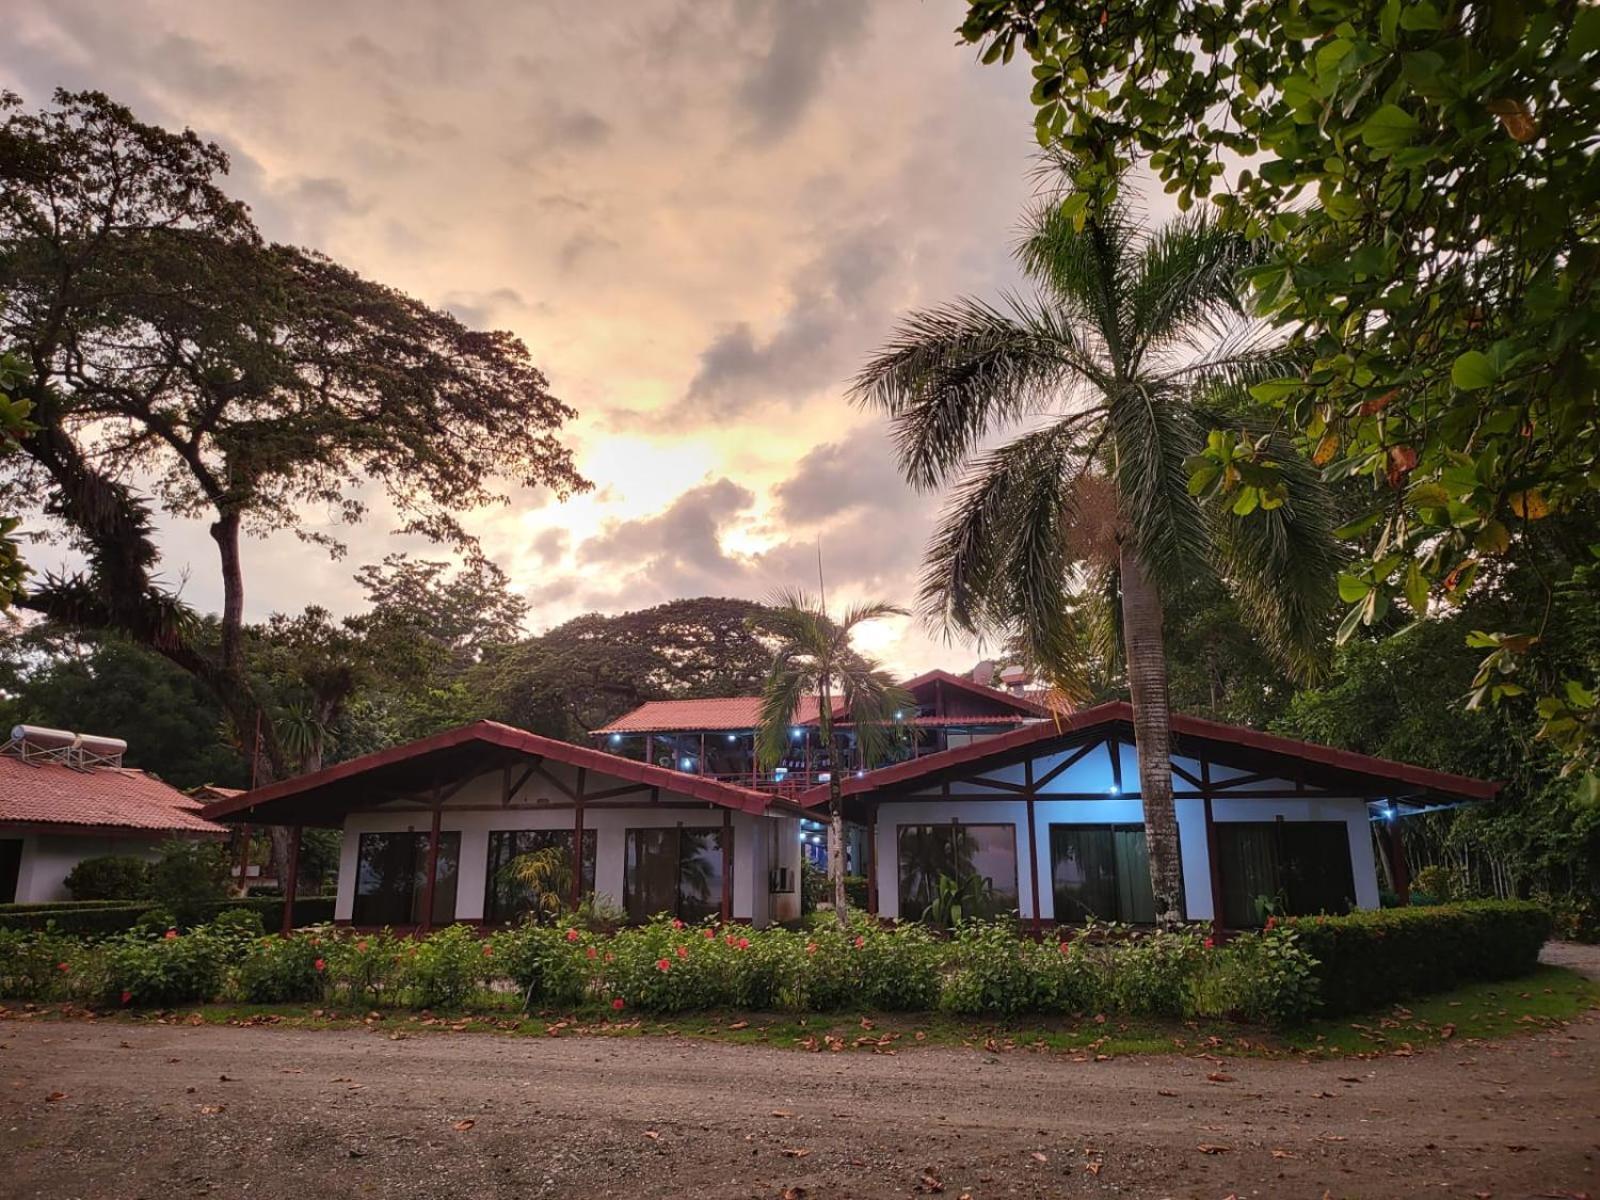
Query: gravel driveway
[[113, 1109]]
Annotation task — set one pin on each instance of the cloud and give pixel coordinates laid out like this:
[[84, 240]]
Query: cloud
[[838, 477], [682, 542], [807, 36]]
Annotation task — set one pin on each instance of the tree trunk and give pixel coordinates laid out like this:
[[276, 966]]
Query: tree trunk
[[1146, 657], [835, 806]]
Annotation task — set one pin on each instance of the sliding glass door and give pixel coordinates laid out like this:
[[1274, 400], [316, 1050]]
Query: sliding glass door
[[675, 870], [1297, 868], [962, 854], [392, 875], [1101, 872]]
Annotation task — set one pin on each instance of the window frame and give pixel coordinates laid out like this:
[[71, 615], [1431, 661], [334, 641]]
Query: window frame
[[1015, 894]]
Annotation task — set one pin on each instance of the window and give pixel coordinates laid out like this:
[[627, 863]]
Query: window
[[927, 853], [10, 868], [674, 870], [504, 898], [1294, 867], [391, 878], [1101, 872]]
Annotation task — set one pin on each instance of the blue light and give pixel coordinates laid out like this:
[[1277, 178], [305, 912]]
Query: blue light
[[615, 738], [687, 763], [1113, 790], [794, 733], [733, 737]]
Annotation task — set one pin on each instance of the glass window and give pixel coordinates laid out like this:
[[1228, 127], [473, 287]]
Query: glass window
[[391, 878], [505, 898], [1101, 872], [928, 853], [10, 868], [1297, 868], [675, 870]]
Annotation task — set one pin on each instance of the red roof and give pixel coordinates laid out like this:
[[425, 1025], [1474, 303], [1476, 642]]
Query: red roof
[[102, 798], [718, 714], [1022, 704], [1379, 770], [323, 797]]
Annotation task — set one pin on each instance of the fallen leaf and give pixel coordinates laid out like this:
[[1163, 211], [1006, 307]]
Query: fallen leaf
[[1220, 1077], [463, 1125], [1093, 1168], [1282, 1154], [1447, 1032], [794, 1193], [211, 1110], [653, 1134], [1165, 1092], [1210, 1148], [54, 1096], [782, 1112], [795, 1152], [930, 1182], [740, 1025], [1040, 1157]]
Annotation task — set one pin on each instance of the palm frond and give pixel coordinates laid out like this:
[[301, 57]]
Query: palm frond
[[1154, 432], [1187, 282], [952, 375], [787, 684]]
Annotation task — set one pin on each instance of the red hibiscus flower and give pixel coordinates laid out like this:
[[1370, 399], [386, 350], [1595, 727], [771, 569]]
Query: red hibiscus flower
[[710, 934], [811, 947], [488, 951], [63, 967], [1066, 948], [572, 935], [170, 934], [683, 952], [126, 995], [663, 965], [320, 965], [593, 953], [1272, 922], [860, 941], [617, 1004], [677, 924], [362, 945], [1210, 943], [744, 943], [730, 939]]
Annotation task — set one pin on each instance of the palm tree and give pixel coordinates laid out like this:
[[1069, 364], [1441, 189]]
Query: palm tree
[[814, 658], [1105, 381]]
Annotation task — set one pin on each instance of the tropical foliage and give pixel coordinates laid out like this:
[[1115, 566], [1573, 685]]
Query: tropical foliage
[[1071, 537]]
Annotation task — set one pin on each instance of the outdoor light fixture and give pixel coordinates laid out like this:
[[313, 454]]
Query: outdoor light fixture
[[898, 714], [1113, 790], [615, 738], [733, 737], [687, 763], [794, 733]]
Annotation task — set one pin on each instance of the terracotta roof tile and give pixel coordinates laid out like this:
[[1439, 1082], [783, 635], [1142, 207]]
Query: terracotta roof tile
[[103, 797], [722, 712]]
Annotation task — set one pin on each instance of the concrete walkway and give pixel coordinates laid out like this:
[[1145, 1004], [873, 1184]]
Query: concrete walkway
[[1575, 956]]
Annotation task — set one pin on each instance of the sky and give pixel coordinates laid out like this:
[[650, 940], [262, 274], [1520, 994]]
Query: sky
[[700, 215]]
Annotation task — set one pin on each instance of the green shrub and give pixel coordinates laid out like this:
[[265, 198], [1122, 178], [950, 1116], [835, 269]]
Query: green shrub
[[994, 971], [37, 965], [446, 967], [283, 970], [368, 968], [158, 972], [109, 877], [98, 918], [190, 878], [1264, 977], [1373, 958], [828, 967], [548, 965], [899, 967], [1154, 975]]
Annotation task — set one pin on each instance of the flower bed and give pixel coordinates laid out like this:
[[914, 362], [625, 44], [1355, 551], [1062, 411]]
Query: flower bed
[[1275, 976]]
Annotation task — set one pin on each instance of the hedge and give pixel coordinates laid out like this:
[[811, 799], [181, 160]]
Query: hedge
[[90, 918], [1370, 959]]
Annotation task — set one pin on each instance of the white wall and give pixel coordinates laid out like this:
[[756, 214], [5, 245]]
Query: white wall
[[1093, 776], [47, 859], [476, 811]]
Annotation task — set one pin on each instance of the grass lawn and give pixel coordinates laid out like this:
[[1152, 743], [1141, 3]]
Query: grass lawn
[[1547, 998]]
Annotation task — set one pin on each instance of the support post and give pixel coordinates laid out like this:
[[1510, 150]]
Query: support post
[[1399, 869], [702, 754], [244, 860], [727, 865], [872, 858], [577, 840], [430, 883], [1033, 851], [1213, 859], [650, 748], [291, 885]]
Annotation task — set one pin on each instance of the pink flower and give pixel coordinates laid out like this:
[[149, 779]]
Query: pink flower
[[860, 941], [592, 952], [677, 924], [663, 965], [617, 1004], [683, 952], [170, 934], [1066, 948], [320, 965], [744, 943], [126, 995], [710, 934], [488, 951], [63, 967], [572, 935], [362, 945], [1210, 943], [811, 947], [730, 939], [1272, 922]]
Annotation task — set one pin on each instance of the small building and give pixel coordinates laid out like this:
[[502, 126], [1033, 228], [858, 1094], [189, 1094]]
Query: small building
[[431, 826], [65, 797], [716, 736], [1048, 817]]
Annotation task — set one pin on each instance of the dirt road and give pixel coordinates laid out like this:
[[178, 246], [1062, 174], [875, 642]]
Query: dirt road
[[110, 1109]]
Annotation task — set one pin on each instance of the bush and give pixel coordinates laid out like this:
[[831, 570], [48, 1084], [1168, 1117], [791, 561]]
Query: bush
[[368, 968], [547, 964], [996, 972], [899, 967], [1370, 959], [95, 918], [446, 967], [37, 966], [1155, 975], [190, 877], [110, 877], [284, 970], [158, 972], [1264, 977]]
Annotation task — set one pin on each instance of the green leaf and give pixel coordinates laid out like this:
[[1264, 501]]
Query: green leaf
[[1348, 626], [1473, 371], [1416, 589], [1389, 129], [1270, 391], [1352, 589], [1420, 16]]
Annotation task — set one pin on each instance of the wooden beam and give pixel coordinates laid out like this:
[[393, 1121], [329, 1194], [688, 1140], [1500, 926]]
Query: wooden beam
[[872, 858], [999, 785], [727, 865], [626, 789], [1064, 765], [1114, 749], [431, 882], [509, 790], [555, 782], [291, 885], [1213, 854], [577, 840], [1033, 850]]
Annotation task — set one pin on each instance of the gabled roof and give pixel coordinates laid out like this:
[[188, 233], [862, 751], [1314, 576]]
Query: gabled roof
[[323, 797], [1384, 776], [1022, 704], [715, 714], [104, 799]]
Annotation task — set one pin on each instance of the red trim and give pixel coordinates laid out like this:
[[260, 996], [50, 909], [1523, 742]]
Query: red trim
[[1461, 786], [495, 734]]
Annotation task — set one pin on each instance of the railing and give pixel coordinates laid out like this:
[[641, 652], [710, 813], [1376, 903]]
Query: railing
[[780, 782]]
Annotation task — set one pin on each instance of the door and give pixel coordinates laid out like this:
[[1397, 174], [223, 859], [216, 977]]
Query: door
[[10, 868]]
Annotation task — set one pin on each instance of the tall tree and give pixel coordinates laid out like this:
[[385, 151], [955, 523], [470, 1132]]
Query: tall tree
[[177, 361], [814, 658], [1425, 172], [1104, 370]]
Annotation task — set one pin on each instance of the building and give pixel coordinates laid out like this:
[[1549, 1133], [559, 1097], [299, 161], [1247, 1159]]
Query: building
[[1048, 818], [716, 737], [65, 797], [429, 828]]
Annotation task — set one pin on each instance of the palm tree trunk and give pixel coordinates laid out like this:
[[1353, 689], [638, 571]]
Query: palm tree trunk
[[1152, 732], [835, 808]]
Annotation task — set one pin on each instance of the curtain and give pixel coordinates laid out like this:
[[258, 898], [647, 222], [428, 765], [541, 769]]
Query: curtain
[[1101, 872], [1247, 857], [673, 870], [505, 899], [391, 878]]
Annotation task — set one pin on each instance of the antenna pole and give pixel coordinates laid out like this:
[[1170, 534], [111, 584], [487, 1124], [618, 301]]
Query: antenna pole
[[822, 588]]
